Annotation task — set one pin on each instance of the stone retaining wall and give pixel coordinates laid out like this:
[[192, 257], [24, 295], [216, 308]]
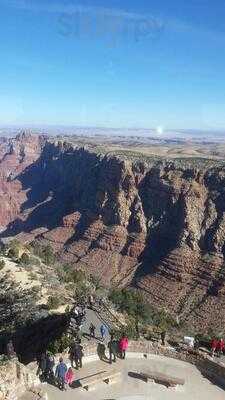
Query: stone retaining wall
[[147, 347], [15, 379], [213, 370]]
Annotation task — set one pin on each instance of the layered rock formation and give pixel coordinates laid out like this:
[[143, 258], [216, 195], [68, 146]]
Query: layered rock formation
[[158, 225], [15, 155], [16, 379]]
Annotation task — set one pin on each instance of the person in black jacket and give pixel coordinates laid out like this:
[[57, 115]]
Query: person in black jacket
[[113, 349], [92, 330], [77, 354], [42, 362], [163, 337]]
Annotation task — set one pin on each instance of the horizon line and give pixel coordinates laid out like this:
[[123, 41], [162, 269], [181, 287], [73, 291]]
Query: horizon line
[[135, 128]]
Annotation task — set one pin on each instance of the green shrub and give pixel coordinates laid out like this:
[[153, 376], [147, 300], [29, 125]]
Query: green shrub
[[163, 320], [53, 302], [28, 247], [68, 274], [44, 252], [25, 259], [75, 281], [140, 312], [59, 345], [2, 264], [15, 244], [68, 309], [3, 360], [78, 276], [48, 255], [129, 330], [75, 276], [36, 248], [203, 340], [131, 302], [33, 276], [208, 258], [2, 250], [36, 289], [36, 293], [12, 248], [13, 253], [35, 261], [96, 281], [81, 291]]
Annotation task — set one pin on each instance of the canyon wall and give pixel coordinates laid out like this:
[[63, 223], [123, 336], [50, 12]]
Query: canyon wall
[[157, 225], [15, 155]]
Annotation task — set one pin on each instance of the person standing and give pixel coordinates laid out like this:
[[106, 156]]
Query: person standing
[[163, 338], [60, 373], [123, 346], [10, 350], [92, 330], [103, 331], [76, 311], [214, 344], [220, 347], [79, 335], [69, 377], [71, 353], [112, 346], [100, 302], [78, 354], [91, 302], [50, 363], [42, 364], [101, 351]]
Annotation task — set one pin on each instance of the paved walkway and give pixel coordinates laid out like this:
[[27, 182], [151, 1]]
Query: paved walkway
[[129, 388], [95, 318]]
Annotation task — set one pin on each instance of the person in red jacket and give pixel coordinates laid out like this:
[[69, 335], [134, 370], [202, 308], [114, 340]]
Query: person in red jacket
[[220, 347], [123, 345], [214, 344]]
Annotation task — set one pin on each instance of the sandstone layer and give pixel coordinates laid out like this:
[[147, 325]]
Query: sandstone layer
[[156, 224]]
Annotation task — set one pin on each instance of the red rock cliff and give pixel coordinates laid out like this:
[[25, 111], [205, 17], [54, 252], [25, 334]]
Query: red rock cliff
[[156, 224]]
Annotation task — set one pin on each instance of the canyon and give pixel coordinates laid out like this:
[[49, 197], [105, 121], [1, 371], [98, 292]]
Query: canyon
[[153, 223]]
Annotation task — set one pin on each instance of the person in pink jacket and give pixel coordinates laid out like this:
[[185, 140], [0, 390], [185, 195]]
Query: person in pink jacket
[[123, 345], [69, 377]]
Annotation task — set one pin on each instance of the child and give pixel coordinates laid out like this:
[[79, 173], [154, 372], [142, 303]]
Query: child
[[69, 377]]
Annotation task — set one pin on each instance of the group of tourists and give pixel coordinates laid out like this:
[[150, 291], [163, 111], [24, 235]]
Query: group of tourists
[[63, 375], [46, 363], [217, 347], [117, 348]]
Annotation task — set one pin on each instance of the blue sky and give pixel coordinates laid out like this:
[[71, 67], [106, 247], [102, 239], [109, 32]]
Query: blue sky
[[113, 63]]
